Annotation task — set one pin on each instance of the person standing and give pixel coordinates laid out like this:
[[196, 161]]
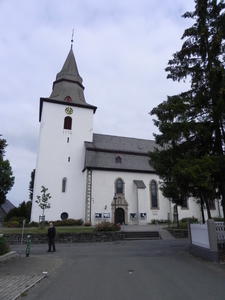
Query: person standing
[[51, 237]]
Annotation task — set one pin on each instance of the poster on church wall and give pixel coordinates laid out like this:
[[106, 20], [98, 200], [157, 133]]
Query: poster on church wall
[[143, 215], [106, 215], [133, 215], [98, 215]]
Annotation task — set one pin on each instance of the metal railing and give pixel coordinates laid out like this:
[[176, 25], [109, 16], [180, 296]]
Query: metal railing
[[220, 232], [157, 226]]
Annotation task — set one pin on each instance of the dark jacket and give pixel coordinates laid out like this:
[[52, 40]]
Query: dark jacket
[[51, 232]]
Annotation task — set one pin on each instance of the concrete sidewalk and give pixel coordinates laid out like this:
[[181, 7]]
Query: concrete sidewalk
[[18, 274]]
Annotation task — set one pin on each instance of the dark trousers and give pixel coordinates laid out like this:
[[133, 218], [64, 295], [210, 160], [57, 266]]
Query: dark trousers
[[51, 243]]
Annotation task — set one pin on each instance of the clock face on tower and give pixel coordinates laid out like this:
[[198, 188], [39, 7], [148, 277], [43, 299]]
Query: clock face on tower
[[68, 110]]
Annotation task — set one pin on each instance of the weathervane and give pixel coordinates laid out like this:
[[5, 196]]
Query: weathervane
[[72, 39]]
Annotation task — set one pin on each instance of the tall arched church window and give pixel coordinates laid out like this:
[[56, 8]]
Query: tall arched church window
[[119, 186], [67, 123], [154, 194], [64, 181]]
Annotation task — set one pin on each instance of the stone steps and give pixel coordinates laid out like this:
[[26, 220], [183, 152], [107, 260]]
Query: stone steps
[[142, 235]]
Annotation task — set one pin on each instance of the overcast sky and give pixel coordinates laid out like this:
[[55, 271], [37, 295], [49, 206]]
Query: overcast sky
[[121, 48]]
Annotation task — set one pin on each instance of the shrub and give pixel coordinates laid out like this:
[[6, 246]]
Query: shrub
[[68, 222], [3, 247], [15, 222], [32, 224], [158, 221], [107, 226], [12, 224], [195, 220]]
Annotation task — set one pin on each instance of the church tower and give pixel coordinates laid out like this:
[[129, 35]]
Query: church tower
[[66, 122]]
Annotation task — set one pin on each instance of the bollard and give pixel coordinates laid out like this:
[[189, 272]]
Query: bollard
[[28, 245]]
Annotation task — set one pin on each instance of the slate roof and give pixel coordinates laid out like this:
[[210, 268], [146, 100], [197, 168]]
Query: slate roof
[[102, 153], [140, 184], [7, 206], [68, 83]]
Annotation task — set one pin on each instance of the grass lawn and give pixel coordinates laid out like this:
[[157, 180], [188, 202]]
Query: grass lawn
[[35, 230]]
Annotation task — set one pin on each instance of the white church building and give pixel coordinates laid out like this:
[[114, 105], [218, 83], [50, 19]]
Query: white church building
[[91, 176]]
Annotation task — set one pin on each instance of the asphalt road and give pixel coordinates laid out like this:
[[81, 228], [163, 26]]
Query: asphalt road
[[151, 270]]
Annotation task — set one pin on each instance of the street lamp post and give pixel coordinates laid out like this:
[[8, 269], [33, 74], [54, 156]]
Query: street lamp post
[[114, 198]]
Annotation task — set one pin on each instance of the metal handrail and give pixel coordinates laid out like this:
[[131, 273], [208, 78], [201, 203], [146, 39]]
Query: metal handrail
[[157, 224]]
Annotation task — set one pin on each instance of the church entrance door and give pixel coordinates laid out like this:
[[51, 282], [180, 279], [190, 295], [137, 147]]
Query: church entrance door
[[120, 215]]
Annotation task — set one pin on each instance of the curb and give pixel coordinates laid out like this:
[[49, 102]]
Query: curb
[[8, 255]]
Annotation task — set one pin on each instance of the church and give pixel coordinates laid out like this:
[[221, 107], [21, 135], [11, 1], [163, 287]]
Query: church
[[91, 176]]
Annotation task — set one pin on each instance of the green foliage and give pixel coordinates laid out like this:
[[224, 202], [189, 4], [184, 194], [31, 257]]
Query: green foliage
[[195, 220], [107, 226], [6, 174], [13, 223], [190, 157], [160, 221], [43, 200], [23, 212], [31, 184], [4, 248], [32, 224], [68, 222]]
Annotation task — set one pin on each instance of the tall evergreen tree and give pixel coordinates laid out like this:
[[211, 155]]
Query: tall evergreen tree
[[6, 174], [31, 184], [191, 159]]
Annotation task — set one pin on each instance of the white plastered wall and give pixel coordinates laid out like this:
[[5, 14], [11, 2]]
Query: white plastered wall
[[52, 166]]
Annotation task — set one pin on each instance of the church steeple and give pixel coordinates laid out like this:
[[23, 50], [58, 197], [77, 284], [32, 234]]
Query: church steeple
[[68, 83]]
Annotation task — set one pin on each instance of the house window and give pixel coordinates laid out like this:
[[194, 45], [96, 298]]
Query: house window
[[64, 180], [68, 123], [154, 194], [118, 160], [119, 186]]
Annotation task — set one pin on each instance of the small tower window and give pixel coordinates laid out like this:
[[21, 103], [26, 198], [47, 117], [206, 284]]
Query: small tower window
[[67, 123], [64, 180], [68, 140], [118, 160], [68, 99]]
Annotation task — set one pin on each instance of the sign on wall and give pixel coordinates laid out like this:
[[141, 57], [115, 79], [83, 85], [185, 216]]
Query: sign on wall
[[106, 215], [98, 215], [143, 215], [133, 215]]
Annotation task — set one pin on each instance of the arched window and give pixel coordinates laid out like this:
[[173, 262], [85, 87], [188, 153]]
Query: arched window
[[118, 160], [154, 194], [119, 186], [68, 99], [68, 123], [64, 180]]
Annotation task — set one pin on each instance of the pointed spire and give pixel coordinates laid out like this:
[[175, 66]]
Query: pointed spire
[[68, 84], [69, 70]]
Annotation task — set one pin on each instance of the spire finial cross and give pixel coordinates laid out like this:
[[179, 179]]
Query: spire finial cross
[[72, 38]]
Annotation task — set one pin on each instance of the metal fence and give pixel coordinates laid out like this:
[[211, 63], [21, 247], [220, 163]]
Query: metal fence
[[220, 232]]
